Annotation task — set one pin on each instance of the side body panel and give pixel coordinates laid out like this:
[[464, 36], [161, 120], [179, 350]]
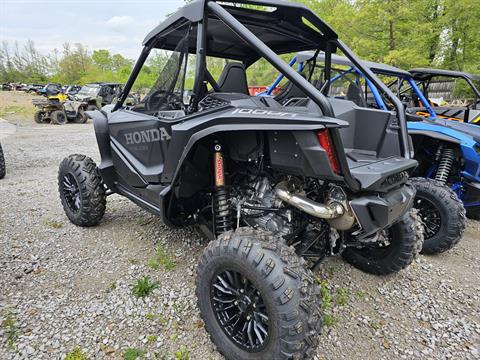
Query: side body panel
[[468, 145], [142, 155]]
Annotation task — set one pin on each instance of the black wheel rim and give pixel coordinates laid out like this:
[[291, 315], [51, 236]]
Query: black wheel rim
[[240, 310], [430, 215], [71, 192]]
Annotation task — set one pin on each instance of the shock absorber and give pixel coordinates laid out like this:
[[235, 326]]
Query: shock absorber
[[445, 165], [221, 207]]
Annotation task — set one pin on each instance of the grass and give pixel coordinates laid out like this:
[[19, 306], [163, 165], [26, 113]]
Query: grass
[[327, 303], [342, 297], [76, 354], [182, 354], [113, 285], [161, 320], [10, 328], [329, 320], [325, 294], [133, 353], [16, 106], [143, 287], [161, 258], [152, 338], [360, 294], [54, 224], [14, 109], [150, 316]]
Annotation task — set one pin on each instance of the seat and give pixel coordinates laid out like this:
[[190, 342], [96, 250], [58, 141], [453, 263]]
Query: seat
[[291, 91], [108, 95], [233, 79], [354, 94]]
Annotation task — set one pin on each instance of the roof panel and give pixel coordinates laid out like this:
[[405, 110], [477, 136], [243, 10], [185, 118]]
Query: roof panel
[[426, 73], [283, 30], [377, 68]]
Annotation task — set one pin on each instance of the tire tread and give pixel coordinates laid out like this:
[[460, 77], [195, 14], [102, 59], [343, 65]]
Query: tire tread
[[280, 266], [456, 223], [91, 186]]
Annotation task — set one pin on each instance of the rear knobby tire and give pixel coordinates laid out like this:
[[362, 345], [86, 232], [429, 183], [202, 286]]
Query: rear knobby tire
[[442, 215], [58, 117], [82, 191], [405, 237], [39, 116], [3, 169], [289, 292]]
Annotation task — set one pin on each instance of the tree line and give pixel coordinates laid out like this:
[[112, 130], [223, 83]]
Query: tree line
[[403, 33]]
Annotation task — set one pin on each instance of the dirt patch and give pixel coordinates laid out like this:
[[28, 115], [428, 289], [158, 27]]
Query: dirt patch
[[17, 107]]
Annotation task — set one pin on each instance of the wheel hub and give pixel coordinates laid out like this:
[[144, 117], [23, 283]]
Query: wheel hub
[[244, 304], [71, 192], [240, 310], [431, 218]]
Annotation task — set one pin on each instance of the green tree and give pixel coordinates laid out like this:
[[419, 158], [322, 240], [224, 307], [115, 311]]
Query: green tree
[[74, 65], [102, 59]]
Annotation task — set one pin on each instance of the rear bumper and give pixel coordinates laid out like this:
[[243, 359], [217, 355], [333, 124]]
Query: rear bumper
[[382, 175], [376, 212]]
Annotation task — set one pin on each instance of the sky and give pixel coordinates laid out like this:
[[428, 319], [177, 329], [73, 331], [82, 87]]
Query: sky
[[116, 25]]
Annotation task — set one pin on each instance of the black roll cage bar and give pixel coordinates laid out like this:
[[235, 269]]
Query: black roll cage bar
[[310, 90]]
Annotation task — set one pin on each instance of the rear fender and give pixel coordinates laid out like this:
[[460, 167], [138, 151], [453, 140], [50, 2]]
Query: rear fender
[[186, 134], [100, 124], [467, 145]]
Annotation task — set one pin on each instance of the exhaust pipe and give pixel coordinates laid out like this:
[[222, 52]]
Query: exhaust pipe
[[332, 211], [337, 215]]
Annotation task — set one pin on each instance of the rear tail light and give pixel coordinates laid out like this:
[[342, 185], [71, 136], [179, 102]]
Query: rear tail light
[[327, 144]]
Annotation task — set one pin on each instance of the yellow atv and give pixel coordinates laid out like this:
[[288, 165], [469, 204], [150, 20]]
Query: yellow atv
[[50, 109]]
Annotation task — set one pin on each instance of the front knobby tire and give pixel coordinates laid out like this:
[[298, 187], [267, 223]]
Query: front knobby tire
[[81, 117], [3, 169], [404, 243], [246, 267], [82, 191], [442, 215]]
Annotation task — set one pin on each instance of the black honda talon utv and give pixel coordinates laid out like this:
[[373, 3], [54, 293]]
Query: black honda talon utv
[[275, 188]]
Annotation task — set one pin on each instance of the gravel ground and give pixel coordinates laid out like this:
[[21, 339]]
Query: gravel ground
[[63, 287]]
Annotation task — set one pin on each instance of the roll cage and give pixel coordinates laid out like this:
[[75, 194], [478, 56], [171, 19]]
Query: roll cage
[[470, 134], [378, 68], [270, 28], [425, 75]]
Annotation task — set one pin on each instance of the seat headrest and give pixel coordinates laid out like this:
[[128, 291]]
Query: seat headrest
[[234, 78], [354, 94]]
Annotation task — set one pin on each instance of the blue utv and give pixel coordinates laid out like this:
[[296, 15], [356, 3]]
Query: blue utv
[[448, 152], [454, 95]]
